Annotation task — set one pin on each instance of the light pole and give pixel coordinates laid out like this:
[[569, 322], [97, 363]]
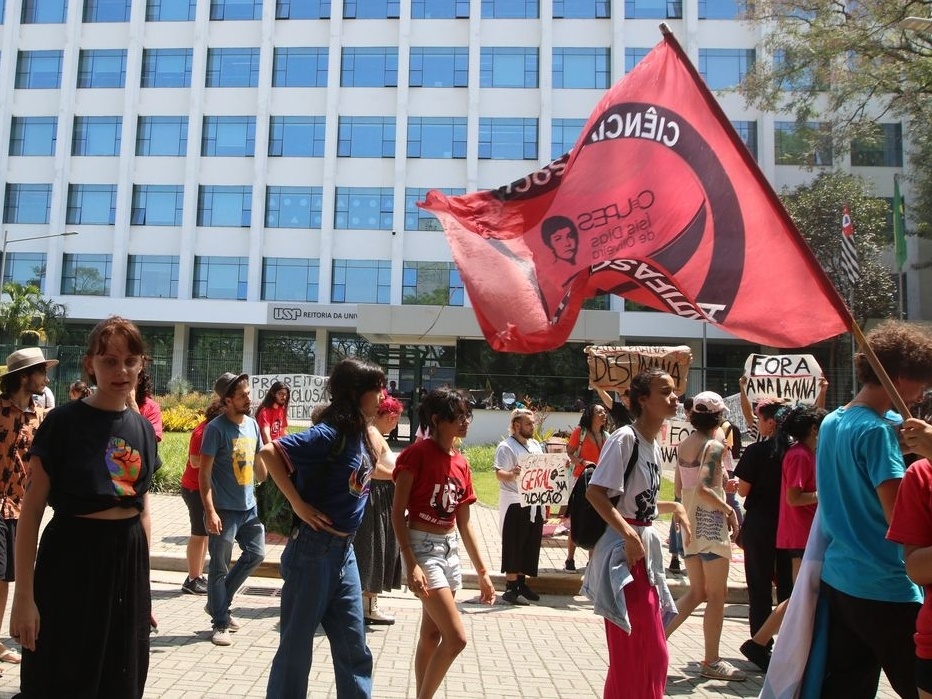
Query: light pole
[[8, 241]]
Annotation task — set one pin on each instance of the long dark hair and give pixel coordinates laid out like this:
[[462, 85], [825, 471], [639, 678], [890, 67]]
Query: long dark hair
[[349, 380], [799, 422], [780, 441], [143, 387], [588, 413], [446, 404], [269, 400]]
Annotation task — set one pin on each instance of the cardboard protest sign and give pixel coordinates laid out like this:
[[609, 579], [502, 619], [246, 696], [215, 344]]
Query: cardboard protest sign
[[735, 415], [672, 433], [611, 367], [544, 480], [790, 377], [307, 392]]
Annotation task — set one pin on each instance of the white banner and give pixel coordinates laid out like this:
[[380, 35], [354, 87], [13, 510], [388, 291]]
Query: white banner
[[674, 431], [790, 377], [307, 392], [544, 480]]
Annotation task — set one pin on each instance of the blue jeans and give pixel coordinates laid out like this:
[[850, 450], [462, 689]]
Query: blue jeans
[[245, 529], [321, 588]]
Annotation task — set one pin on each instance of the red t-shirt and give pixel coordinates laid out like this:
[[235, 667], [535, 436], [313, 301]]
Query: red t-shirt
[[275, 418], [442, 482], [795, 522], [912, 526], [189, 477]]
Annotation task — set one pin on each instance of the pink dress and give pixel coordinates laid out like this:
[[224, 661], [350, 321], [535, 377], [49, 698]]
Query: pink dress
[[795, 522]]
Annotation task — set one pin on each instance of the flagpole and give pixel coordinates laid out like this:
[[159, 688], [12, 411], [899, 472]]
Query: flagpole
[[854, 344]]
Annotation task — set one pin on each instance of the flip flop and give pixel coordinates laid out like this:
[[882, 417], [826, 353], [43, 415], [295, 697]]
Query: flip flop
[[11, 656]]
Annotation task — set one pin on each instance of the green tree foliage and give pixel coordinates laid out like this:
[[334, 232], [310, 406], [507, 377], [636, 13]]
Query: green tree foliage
[[852, 65], [27, 311]]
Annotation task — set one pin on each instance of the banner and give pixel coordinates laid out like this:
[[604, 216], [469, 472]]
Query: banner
[[659, 202], [307, 392], [611, 368], [674, 431], [544, 480], [789, 377]]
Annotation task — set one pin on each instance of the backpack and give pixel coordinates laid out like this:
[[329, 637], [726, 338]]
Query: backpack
[[586, 525]]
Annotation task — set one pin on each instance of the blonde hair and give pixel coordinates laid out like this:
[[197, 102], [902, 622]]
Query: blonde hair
[[519, 413]]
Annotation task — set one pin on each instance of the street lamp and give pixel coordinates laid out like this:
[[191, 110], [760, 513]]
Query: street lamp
[[8, 241]]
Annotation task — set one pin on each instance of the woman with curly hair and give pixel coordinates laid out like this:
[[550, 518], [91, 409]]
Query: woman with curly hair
[[583, 448]]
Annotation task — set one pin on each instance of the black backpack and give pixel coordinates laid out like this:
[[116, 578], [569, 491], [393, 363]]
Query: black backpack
[[586, 525]]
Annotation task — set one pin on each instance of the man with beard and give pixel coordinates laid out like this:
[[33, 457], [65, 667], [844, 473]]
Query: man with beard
[[228, 452], [522, 527]]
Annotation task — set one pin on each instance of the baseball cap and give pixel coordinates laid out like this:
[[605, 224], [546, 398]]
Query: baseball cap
[[709, 402]]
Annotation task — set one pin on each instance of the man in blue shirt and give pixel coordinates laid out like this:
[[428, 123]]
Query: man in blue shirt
[[872, 603], [226, 476]]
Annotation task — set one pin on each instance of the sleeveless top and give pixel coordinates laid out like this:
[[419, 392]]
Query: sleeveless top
[[709, 527]]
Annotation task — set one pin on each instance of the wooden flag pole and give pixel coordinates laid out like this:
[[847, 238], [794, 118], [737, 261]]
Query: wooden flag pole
[[897, 399]]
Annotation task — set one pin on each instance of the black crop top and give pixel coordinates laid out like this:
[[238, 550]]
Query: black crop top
[[95, 459]]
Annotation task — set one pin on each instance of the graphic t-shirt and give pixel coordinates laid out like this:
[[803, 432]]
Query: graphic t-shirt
[[639, 499], [234, 450], [507, 455], [189, 479], [796, 521], [276, 420], [442, 482]]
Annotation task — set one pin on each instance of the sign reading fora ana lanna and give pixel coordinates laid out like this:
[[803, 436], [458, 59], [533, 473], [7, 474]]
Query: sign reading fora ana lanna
[[789, 377], [611, 367]]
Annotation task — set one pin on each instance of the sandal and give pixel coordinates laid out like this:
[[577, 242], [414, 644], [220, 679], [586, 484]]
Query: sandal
[[10, 655]]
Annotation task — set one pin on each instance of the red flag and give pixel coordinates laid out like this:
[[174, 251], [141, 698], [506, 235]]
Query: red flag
[[659, 202]]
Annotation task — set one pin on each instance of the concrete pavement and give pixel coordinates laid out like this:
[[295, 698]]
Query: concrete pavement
[[555, 648]]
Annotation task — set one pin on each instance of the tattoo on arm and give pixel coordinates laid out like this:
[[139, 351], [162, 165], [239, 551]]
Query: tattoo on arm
[[711, 467]]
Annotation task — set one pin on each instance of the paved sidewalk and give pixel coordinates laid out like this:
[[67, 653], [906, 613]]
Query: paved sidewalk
[[555, 648]]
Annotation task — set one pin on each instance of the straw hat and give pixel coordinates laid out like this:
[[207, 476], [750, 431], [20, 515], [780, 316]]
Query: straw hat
[[25, 358]]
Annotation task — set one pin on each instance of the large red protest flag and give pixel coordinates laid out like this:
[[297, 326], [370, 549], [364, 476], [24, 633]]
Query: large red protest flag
[[659, 202]]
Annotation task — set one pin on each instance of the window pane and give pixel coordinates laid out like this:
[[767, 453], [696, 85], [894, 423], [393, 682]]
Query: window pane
[[25, 268], [300, 67], [233, 67], [86, 275], [170, 10], [510, 9], [371, 9], [106, 10], [224, 206], [293, 207], [802, 144], [290, 279], [220, 278], [439, 9], [369, 67], [366, 137], [157, 205], [366, 208], [38, 70], [302, 9], [582, 9], [724, 69], [582, 68], [883, 149], [653, 9], [748, 132], [152, 276], [166, 67], [297, 137], [437, 137], [507, 139], [44, 11], [235, 9], [508, 67], [721, 9], [229, 136], [162, 136], [91, 204], [102, 68], [27, 203], [565, 133], [361, 281], [431, 284], [439, 67], [33, 136]]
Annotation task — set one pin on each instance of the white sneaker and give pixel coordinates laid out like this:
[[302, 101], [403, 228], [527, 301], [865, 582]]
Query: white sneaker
[[722, 670], [221, 637]]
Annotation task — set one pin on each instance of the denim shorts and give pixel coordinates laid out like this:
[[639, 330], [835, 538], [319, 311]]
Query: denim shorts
[[439, 558], [706, 557]]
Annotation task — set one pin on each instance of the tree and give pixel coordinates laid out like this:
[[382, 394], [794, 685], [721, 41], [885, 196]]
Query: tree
[[850, 65], [28, 311]]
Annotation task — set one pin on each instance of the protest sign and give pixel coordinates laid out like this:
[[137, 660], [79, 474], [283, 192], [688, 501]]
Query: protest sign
[[307, 392], [672, 433], [735, 415], [790, 377], [611, 367], [544, 480]]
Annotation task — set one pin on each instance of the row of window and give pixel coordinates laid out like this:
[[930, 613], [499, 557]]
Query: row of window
[[56, 11], [500, 138], [283, 278], [504, 67]]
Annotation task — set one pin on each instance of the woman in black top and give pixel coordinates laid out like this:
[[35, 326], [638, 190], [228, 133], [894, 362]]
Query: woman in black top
[[82, 604]]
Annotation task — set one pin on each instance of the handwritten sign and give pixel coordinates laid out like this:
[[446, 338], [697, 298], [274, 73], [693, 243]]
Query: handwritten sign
[[611, 368], [307, 392], [672, 433], [790, 377], [544, 480]]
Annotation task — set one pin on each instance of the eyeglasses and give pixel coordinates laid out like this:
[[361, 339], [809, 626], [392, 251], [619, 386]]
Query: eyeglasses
[[462, 419]]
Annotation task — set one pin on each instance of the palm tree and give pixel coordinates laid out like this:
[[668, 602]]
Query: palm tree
[[28, 310]]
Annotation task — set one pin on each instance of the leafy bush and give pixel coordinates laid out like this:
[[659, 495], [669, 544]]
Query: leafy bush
[[181, 419], [192, 400], [173, 450]]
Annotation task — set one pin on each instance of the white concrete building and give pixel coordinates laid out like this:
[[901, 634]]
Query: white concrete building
[[242, 174]]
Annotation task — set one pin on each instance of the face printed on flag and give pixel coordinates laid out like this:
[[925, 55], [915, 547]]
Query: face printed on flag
[[659, 202]]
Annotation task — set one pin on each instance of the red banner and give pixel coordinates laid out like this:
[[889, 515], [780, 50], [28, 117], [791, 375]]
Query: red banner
[[659, 202]]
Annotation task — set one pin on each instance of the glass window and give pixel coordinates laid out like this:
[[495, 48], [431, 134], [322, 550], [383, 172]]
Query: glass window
[[366, 208], [220, 277], [91, 204], [437, 137], [439, 9], [152, 276], [157, 205], [565, 133], [300, 67], [281, 352], [361, 281], [166, 67], [27, 203], [721, 9], [233, 67], [724, 69], [97, 135], [508, 67], [747, 130], [416, 218], [212, 352], [86, 275], [224, 205], [102, 68], [582, 9], [633, 57], [235, 9], [366, 137], [33, 135], [369, 67], [802, 144], [507, 139], [884, 148], [293, 207], [229, 136], [431, 284], [439, 67], [38, 70], [170, 10], [510, 9], [653, 9], [297, 136], [302, 9], [44, 11], [371, 9], [582, 68], [162, 136], [798, 72], [25, 268], [107, 10], [290, 279]]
